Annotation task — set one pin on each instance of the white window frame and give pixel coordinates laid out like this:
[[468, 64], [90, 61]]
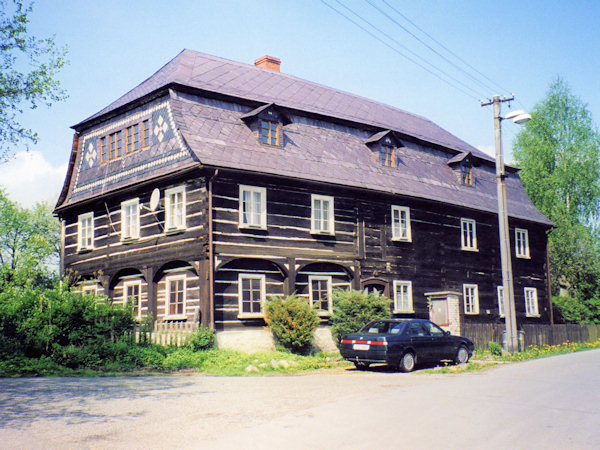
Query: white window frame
[[397, 304], [399, 232], [170, 218], [89, 289], [126, 285], [316, 224], [263, 283], [133, 230], [82, 225], [531, 302], [169, 279], [501, 302], [329, 281], [471, 307], [262, 214], [521, 243], [468, 227]]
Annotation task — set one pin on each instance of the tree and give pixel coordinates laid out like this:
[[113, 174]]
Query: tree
[[558, 152], [28, 68], [29, 243]]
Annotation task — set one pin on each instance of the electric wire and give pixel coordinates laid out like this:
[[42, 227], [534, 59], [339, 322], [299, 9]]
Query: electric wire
[[399, 52], [452, 63]]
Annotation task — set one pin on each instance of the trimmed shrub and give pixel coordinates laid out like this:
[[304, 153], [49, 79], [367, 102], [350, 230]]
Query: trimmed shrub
[[203, 339], [352, 310], [292, 322]]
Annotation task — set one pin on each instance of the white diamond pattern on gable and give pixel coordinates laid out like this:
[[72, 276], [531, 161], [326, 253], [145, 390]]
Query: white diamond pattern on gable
[[90, 155], [160, 128]]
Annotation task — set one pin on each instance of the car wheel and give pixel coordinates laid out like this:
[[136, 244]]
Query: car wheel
[[462, 355], [407, 362], [362, 365]]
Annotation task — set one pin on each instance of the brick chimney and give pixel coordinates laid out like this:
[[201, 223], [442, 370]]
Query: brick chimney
[[268, 62]]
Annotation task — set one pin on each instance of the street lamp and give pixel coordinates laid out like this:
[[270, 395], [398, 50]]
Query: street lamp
[[508, 294]]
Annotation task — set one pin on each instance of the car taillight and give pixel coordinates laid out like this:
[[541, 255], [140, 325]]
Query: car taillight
[[363, 341]]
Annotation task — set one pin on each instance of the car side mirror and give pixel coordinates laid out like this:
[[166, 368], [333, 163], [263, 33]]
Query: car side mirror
[[446, 333]]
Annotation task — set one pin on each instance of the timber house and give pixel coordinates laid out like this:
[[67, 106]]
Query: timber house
[[215, 184]]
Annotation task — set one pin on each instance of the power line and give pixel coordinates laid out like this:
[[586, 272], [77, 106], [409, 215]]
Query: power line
[[453, 64], [444, 47], [399, 52]]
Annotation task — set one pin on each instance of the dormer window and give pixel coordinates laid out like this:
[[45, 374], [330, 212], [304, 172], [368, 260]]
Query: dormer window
[[466, 174], [270, 132], [463, 163], [386, 143], [269, 119], [387, 155]]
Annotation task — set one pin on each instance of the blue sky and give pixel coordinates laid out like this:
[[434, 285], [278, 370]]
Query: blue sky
[[114, 45]]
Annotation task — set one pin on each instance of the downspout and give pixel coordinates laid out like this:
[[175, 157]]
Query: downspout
[[549, 283], [61, 262], [211, 256]]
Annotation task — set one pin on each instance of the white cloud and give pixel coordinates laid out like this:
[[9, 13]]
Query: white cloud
[[29, 178]]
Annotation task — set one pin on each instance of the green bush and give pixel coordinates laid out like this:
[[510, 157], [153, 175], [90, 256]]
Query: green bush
[[203, 339], [292, 322], [494, 348], [352, 310]]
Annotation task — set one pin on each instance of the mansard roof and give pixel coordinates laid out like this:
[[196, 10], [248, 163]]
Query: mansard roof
[[201, 102]]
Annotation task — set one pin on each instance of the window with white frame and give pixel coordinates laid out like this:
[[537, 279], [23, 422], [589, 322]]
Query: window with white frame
[[320, 293], [251, 295], [85, 231], [132, 293], [130, 219], [175, 208], [89, 289], [500, 293], [322, 214], [403, 302], [401, 223], [521, 243], [531, 302], [176, 295], [471, 298], [468, 234], [253, 207]]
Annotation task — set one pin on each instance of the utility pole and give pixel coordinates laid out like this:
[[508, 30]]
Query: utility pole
[[505, 255]]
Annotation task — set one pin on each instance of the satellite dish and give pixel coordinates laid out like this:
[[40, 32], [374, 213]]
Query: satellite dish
[[154, 199]]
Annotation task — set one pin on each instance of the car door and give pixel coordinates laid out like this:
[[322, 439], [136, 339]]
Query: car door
[[441, 344], [420, 341]]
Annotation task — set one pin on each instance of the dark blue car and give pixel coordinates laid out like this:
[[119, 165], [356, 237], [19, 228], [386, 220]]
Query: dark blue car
[[404, 343]]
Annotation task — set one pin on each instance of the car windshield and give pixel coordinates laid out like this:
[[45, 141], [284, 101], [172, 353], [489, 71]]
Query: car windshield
[[382, 326]]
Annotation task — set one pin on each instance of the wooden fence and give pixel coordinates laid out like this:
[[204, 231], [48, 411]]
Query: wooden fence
[[482, 334]]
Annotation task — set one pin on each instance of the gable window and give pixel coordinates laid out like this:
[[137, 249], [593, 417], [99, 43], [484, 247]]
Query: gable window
[[116, 145], [132, 291], [253, 207], [175, 208], [251, 293], [85, 231], [466, 174], [270, 132], [103, 149], [531, 302], [468, 236], [175, 296], [501, 300], [401, 223], [145, 133], [403, 302], [322, 214], [130, 219], [521, 243], [471, 298], [320, 293], [387, 155], [133, 138]]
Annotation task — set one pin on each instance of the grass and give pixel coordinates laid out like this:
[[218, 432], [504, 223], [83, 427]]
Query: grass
[[171, 360]]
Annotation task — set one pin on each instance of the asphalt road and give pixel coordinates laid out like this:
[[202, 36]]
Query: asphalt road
[[547, 403]]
